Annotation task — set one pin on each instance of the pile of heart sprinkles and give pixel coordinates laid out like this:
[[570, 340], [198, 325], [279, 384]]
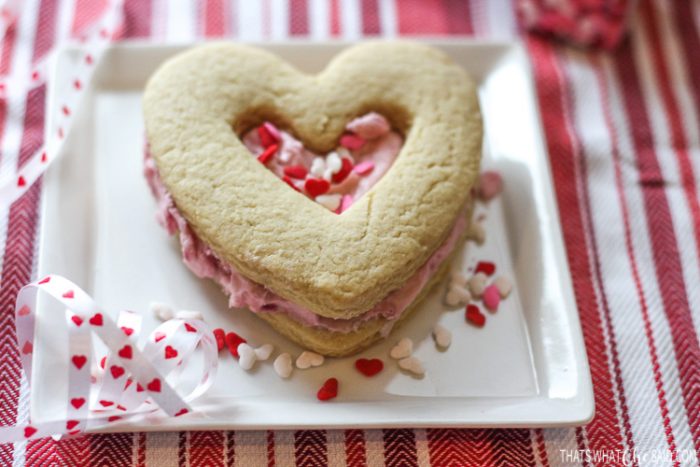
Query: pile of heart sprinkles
[[317, 180], [463, 290]]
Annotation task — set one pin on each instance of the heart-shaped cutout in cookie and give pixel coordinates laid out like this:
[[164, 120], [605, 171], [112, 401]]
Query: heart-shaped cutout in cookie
[[336, 266]]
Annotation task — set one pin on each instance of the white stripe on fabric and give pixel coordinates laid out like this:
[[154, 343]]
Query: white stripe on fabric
[[500, 16], [374, 448], [558, 442], [387, 18], [618, 281], [250, 21], [285, 454], [335, 445], [422, 450], [180, 27], [159, 21], [279, 20], [350, 19], [251, 448], [162, 448], [65, 20], [319, 19]]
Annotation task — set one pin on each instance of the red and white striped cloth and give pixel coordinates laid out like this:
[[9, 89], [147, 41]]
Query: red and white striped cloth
[[623, 134]]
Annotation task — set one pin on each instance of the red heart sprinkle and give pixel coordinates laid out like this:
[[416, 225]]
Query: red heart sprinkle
[[139, 388], [21, 181], [190, 328], [68, 294], [127, 331], [268, 154], [296, 171], [125, 352], [27, 348], [116, 371], [24, 311], [220, 337], [316, 186], [113, 418], [29, 431], [35, 75], [44, 157], [170, 352], [105, 403], [77, 402], [329, 390], [486, 267], [77, 84], [267, 138], [128, 383], [233, 340], [74, 432], [79, 361], [65, 110], [103, 361], [96, 320], [154, 386], [290, 182], [369, 367], [45, 280], [121, 407], [88, 59], [344, 171], [70, 424], [182, 412], [474, 316], [159, 336], [77, 320]]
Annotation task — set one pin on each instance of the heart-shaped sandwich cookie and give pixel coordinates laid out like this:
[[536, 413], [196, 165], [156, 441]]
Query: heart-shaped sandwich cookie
[[334, 280]]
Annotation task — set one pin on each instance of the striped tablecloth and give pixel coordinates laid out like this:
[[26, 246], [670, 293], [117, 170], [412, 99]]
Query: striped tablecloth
[[622, 132]]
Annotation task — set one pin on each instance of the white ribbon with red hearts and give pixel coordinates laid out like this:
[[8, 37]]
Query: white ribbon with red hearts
[[96, 38], [135, 380]]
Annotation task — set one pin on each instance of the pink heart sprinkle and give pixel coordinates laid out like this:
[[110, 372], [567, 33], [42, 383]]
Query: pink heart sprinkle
[[364, 168], [351, 141], [491, 298]]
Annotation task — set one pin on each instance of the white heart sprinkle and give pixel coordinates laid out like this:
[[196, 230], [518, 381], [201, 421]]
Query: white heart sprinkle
[[329, 201], [457, 278], [309, 359], [504, 286], [403, 349], [247, 356], [189, 314], [344, 153], [328, 175], [478, 233], [283, 365], [263, 352], [318, 166], [333, 162], [457, 295], [442, 336], [162, 311], [413, 365], [477, 284]]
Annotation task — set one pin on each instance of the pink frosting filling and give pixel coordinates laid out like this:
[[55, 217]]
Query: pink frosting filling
[[244, 293]]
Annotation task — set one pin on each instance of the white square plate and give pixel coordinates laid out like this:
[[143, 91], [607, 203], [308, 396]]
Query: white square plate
[[526, 367]]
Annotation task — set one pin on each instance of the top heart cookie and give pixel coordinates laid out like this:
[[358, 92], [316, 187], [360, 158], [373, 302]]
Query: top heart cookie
[[338, 266]]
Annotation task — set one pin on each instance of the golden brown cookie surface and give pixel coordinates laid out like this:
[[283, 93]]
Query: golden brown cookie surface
[[337, 266]]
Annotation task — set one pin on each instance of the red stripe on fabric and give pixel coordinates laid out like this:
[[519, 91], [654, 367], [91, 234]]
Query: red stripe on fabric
[[72, 451], [215, 18], [480, 447], [679, 140], [400, 448], [137, 18], [141, 450], [298, 17], [335, 17], [86, 12], [355, 450], [589, 232], [370, 17], [665, 250], [683, 15], [459, 17], [46, 28], [205, 448], [270, 448], [230, 448], [415, 18], [182, 449], [114, 450], [310, 447], [604, 432], [541, 447], [622, 197]]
